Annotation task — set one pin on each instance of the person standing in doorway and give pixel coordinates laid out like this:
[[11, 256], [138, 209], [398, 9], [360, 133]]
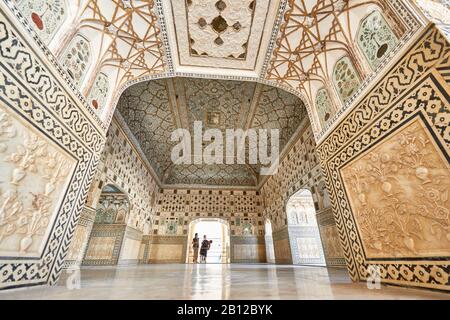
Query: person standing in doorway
[[195, 246], [206, 244]]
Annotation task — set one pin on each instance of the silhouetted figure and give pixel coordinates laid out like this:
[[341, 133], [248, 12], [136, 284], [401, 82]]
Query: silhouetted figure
[[195, 246], [206, 244]]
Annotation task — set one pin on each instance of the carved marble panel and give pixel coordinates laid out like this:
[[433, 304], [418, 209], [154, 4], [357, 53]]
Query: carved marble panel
[[308, 248], [49, 160], [34, 173], [399, 193], [396, 141], [166, 253]]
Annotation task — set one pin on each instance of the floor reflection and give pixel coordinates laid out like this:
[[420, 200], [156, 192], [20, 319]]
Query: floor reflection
[[215, 281]]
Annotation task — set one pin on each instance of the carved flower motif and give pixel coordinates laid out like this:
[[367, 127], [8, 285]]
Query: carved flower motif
[[424, 94], [393, 272], [421, 273], [411, 149], [385, 158], [374, 157], [439, 275], [432, 194], [406, 273], [22, 221], [441, 212]]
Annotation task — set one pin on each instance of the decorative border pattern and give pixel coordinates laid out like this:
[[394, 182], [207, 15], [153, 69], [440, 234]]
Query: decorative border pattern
[[86, 222], [55, 63]]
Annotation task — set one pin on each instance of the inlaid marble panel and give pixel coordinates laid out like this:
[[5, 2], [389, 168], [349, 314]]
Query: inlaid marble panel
[[46, 16], [100, 248]]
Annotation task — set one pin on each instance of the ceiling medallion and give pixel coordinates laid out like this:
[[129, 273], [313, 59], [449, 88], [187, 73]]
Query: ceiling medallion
[[213, 118], [230, 22]]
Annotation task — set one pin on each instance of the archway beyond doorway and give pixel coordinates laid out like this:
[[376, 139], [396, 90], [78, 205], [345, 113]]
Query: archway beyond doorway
[[217, 230], [304, 235]]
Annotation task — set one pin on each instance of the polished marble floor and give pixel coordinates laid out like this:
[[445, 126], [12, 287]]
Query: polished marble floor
[[215, 281]]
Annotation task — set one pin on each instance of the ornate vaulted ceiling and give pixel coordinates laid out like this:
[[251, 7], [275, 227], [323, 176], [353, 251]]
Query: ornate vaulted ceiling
[[154, 109], [322, 51], [290, 44]]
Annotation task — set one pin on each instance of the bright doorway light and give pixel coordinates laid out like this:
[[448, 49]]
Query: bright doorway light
[[216, 230]]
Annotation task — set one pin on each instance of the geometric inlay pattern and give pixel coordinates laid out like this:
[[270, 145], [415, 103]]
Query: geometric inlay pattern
[[153, 110]]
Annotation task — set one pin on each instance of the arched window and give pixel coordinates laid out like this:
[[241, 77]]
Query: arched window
[[345, 78], [323, 107], [77, 58], [46, 16], [113, 206], [375, 38], [304, 235], [99, 92]]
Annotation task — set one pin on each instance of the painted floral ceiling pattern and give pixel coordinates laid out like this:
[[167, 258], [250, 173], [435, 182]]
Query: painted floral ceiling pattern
[[154, 109]]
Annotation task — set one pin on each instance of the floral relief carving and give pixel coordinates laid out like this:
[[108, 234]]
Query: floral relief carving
[[32, 173], [399, 195], [7, 131], [330, 237]]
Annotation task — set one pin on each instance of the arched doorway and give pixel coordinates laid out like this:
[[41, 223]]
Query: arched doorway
[[105, 241], [270, 251], [304, 236], [217, 230]]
